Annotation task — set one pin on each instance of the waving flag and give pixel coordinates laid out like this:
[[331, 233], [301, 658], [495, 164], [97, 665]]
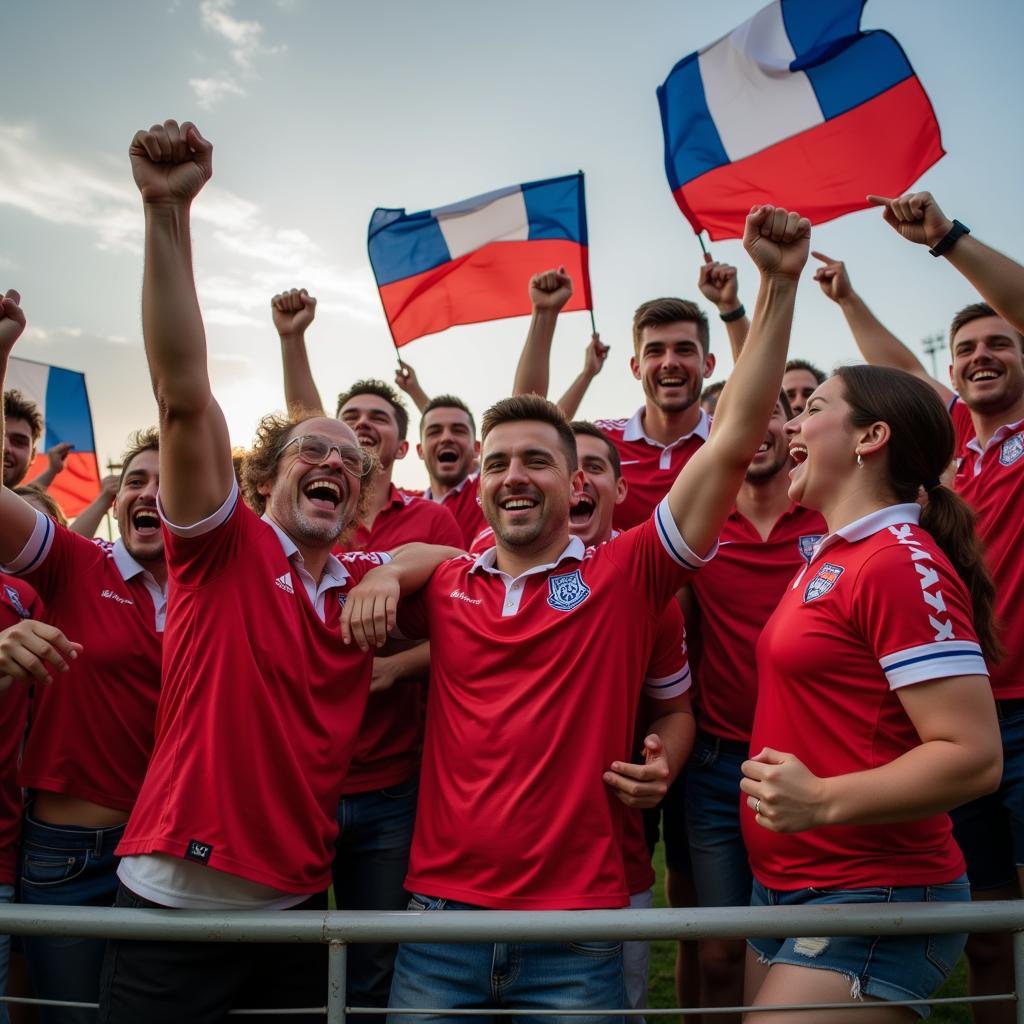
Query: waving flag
[[64, 404], [473, 260], [796, 107]]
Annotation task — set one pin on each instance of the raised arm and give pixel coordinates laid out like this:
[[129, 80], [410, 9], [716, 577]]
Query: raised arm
[[406, 379], [293, 311], [703, 493], [719, 284], [55, 459], [87, 522], [17, 517], [171, 163], [877, 344], [998, 279], [593, 361], [549, 292]]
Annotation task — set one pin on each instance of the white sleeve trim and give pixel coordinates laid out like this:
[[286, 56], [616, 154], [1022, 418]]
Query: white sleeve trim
[[672, 540], [36, 548], [207, 525], [666, 687], [933, 661]]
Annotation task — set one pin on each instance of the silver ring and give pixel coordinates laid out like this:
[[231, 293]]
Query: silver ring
[[757, 806]]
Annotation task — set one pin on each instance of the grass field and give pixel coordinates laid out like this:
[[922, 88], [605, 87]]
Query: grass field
[[663, 954]]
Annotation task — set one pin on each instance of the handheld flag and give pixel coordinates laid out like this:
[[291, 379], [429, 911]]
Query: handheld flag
[[64, 405], [796, 107], [472, 261]]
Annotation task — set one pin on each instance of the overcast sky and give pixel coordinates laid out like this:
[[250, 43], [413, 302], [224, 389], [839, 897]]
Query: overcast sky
[[320, 111]]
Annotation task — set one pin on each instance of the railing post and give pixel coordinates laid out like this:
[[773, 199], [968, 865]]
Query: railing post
[[337, 963], [1018, 975]]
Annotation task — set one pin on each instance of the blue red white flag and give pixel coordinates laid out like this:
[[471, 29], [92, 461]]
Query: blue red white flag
[[472, 261], [64, 404], [797, 107]]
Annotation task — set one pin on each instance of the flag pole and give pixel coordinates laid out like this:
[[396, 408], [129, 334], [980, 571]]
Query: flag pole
[[703, 247]]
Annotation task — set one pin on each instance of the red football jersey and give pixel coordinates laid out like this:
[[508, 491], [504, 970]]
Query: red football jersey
[[992, 483], [388, 746], [463, 501], [259, 710], [667, 671], [18, 601], [879, 607], [92, 729], [533, 693], [648, 467], [737, 593]]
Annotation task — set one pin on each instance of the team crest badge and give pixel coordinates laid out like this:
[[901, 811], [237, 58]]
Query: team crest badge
[[567, 591], [1011, 450], [15, 602], [824, 580], [807, 543]]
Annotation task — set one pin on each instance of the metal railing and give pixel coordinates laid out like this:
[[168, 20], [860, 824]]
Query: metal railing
[[338, 929]]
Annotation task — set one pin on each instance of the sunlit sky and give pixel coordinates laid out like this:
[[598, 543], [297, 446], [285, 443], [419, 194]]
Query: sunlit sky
[[320, 111]]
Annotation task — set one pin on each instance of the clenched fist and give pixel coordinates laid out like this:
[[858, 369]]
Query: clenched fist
[[777, 241], [171, 162]]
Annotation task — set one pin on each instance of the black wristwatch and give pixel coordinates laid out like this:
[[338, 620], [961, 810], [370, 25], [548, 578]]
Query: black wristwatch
[[948, 240]]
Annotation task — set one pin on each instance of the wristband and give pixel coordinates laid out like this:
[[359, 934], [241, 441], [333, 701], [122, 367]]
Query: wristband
[[948, 240], [736, 314]]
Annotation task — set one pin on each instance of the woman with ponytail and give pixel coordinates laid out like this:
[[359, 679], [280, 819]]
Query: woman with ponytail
[[874, 713]]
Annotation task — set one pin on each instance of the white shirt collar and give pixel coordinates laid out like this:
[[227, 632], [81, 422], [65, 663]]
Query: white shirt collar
[[334, 571], [486, 561], [634, 430], [1001, 434], [866, 526], [126, 564]]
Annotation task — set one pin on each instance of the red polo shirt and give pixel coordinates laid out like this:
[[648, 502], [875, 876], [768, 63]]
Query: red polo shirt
[[649, 467], [991, 481], [463, 501], [737, 593], [534, 689], [879, 607], [391, 734]]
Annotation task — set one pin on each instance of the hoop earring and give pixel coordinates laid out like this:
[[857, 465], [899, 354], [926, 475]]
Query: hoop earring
[[860, 461]]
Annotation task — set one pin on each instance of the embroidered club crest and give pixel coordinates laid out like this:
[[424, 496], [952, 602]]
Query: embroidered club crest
[[14, 599], [824, 580], [807, 543], [1011, 450], [567, 591]]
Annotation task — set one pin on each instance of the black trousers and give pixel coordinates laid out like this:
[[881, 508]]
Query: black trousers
[[198, 982]]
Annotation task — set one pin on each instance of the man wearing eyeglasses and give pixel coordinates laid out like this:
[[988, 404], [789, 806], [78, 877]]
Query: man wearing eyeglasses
[[260, 697]]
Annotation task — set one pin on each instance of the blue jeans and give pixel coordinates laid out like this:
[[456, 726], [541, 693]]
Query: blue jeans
[[990, 830], [721, 870], [370, 866], [532, 977], [64, 865], [890, 967]]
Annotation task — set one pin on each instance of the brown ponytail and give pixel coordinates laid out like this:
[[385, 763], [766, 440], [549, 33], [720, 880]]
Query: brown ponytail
[[919, 450]]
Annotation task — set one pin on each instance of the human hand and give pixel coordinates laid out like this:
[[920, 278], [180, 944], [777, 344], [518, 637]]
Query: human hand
[[641, 785], [28, 647], [12, 320], [293, 311], [171, 162], [833, 278], [718, 284], [916, 216], [550, 290], [371, 609], [405, 377], [384, 675], [58, 455], [595, 355], [777, 241], [783, 793], [109, 486]]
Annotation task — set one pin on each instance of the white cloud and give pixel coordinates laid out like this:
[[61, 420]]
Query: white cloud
[[210, 91], [243, 37]]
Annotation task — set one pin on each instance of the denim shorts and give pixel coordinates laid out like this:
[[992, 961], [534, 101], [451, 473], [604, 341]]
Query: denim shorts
[[990, 830], [892, 967]]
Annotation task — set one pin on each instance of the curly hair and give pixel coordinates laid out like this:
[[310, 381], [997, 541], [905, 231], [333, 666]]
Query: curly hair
[[259, 462]]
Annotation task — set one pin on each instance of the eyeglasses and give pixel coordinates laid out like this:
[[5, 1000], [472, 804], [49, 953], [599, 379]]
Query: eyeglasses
[[315, 450]]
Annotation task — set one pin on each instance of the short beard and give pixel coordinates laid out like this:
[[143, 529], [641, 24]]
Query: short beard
[[310, 531], [686, 400], [763, 473]]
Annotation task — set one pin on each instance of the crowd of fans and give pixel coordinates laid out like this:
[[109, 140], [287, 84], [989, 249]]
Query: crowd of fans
[[290, 672]]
